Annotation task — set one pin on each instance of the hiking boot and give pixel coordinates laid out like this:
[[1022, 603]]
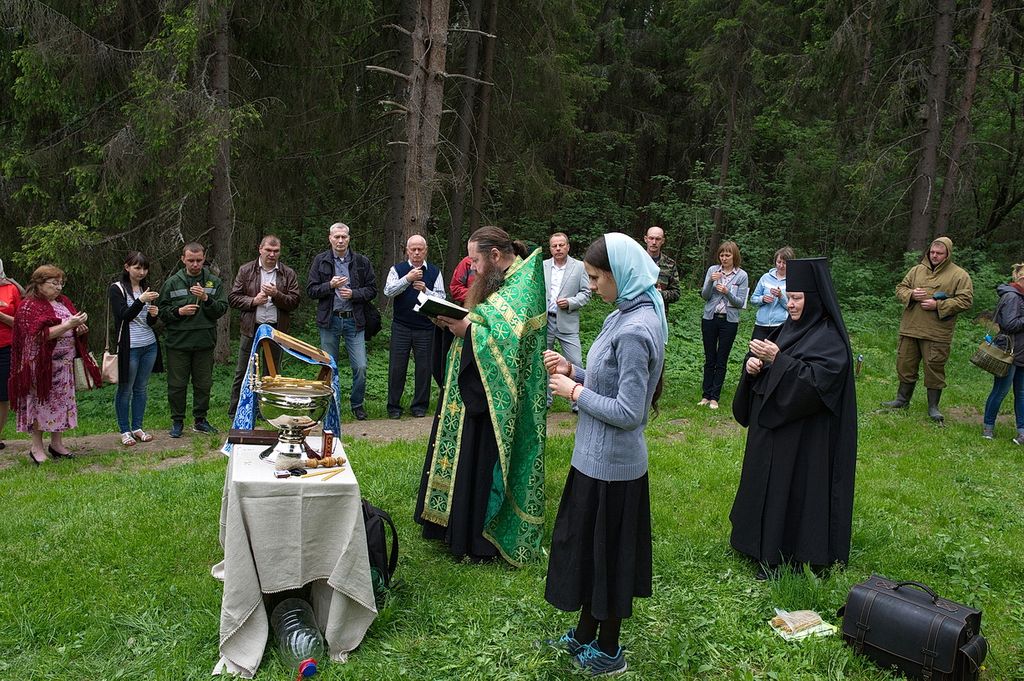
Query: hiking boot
[[204, 426], [988, 432], [567, 642], [176, 428], [934, 395], [903, 395], [595, 662]]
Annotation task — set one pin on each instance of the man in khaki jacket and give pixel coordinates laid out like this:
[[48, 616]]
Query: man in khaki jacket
[[933, 293]]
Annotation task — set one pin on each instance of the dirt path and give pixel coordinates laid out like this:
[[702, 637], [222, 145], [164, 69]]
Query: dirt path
[[195, 447]]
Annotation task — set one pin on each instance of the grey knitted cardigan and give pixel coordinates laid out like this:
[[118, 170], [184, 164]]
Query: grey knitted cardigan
[[623, 368]]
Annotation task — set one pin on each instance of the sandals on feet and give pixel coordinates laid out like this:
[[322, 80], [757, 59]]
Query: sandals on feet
[[142, 436], [127, 440]]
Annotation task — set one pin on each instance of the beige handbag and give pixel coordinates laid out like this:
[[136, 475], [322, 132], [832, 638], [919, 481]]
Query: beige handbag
[[83, 381], [108, 370]]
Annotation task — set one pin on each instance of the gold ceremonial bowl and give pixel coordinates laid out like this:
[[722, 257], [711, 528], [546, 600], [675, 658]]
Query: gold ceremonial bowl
[[292, 406]]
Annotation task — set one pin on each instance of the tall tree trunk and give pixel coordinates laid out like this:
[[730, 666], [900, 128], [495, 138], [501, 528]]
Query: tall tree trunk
[[484, 119], [723, 168], [963, 122], [219, 208], [464, 142], [927, 164], [865, 68], [423, 122], [1005, 178], [393, 247]]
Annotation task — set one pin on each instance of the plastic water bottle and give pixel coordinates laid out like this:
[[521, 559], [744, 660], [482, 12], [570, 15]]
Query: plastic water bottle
[[299, 642]]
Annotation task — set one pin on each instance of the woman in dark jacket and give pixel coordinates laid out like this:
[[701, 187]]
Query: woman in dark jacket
[[1010, 318], [138, 353]]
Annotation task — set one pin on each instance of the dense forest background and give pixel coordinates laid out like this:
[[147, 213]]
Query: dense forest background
[[858, 129]]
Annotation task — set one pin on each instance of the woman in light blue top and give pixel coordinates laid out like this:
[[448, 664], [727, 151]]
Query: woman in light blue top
[[601, 543], [138, 353], [769, 296], [725, 290]]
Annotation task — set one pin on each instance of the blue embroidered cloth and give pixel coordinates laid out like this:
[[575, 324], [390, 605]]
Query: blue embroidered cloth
[[245, 416]]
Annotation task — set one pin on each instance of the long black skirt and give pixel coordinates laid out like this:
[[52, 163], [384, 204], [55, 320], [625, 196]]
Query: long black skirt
[[601, 546]]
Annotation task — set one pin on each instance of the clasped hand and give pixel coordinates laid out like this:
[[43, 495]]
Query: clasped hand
[[199, 292], [764, 350], [559, 372]]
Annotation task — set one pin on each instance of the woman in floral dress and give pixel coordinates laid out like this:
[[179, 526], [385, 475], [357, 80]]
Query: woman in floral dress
[[48, 333]]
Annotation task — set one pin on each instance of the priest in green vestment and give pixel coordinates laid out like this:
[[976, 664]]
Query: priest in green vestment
[[482, 490]]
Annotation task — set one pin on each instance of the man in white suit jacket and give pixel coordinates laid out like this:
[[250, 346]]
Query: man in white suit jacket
[[568, 290]]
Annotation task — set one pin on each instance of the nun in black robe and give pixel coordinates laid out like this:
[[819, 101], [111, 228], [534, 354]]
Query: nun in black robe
[[795, 499]]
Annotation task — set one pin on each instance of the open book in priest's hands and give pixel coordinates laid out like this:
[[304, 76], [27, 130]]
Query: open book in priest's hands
[[432, 307]]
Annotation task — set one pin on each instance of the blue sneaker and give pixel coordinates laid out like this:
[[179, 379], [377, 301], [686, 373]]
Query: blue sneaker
[[567, 642], [595, 662], [176, 428]]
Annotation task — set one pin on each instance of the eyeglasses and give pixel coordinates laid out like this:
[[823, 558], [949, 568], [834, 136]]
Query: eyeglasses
[[54, 282]]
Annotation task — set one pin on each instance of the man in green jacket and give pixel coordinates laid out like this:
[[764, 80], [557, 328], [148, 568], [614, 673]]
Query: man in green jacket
[[191, 301], [933, 293]]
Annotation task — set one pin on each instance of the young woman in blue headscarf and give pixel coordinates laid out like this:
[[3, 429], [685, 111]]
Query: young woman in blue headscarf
[[601, 545]]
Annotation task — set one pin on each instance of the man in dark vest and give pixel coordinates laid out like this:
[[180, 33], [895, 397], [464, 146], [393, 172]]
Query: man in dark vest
[[411, 330]]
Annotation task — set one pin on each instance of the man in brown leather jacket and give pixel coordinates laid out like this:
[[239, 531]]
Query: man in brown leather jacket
[[266, 291]]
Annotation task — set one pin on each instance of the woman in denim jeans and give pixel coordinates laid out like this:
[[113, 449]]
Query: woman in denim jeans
[[1010, 318], [725, 290], [138, 352]]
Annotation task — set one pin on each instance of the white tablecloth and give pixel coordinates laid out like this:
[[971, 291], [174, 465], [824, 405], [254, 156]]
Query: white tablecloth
[[280, 534]]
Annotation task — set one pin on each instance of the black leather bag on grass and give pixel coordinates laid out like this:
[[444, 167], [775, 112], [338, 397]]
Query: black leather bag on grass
[[382, 561], [908, 626]]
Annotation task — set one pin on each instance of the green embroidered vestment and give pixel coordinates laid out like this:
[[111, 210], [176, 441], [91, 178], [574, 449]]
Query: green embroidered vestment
[[509, 336]]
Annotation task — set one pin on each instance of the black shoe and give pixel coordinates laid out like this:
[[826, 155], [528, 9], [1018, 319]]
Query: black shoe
[[176, 428], [58, 455], [394, 415], [203, 426], [419, 414], [766, 572], [359, 413]]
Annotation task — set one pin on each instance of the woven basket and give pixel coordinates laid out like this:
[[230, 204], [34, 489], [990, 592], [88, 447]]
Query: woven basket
[[993, 358]]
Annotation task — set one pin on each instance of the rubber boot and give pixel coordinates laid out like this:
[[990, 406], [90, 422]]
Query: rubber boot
[[903, 396], [934, 395]]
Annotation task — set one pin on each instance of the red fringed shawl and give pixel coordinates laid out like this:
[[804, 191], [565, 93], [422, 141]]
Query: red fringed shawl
[[32, 350]]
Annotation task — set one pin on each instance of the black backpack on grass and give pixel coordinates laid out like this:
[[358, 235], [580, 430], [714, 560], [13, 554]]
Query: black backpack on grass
[[382, 561]]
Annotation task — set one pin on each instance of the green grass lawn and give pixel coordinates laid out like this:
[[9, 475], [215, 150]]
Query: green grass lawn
[[104, 568]]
